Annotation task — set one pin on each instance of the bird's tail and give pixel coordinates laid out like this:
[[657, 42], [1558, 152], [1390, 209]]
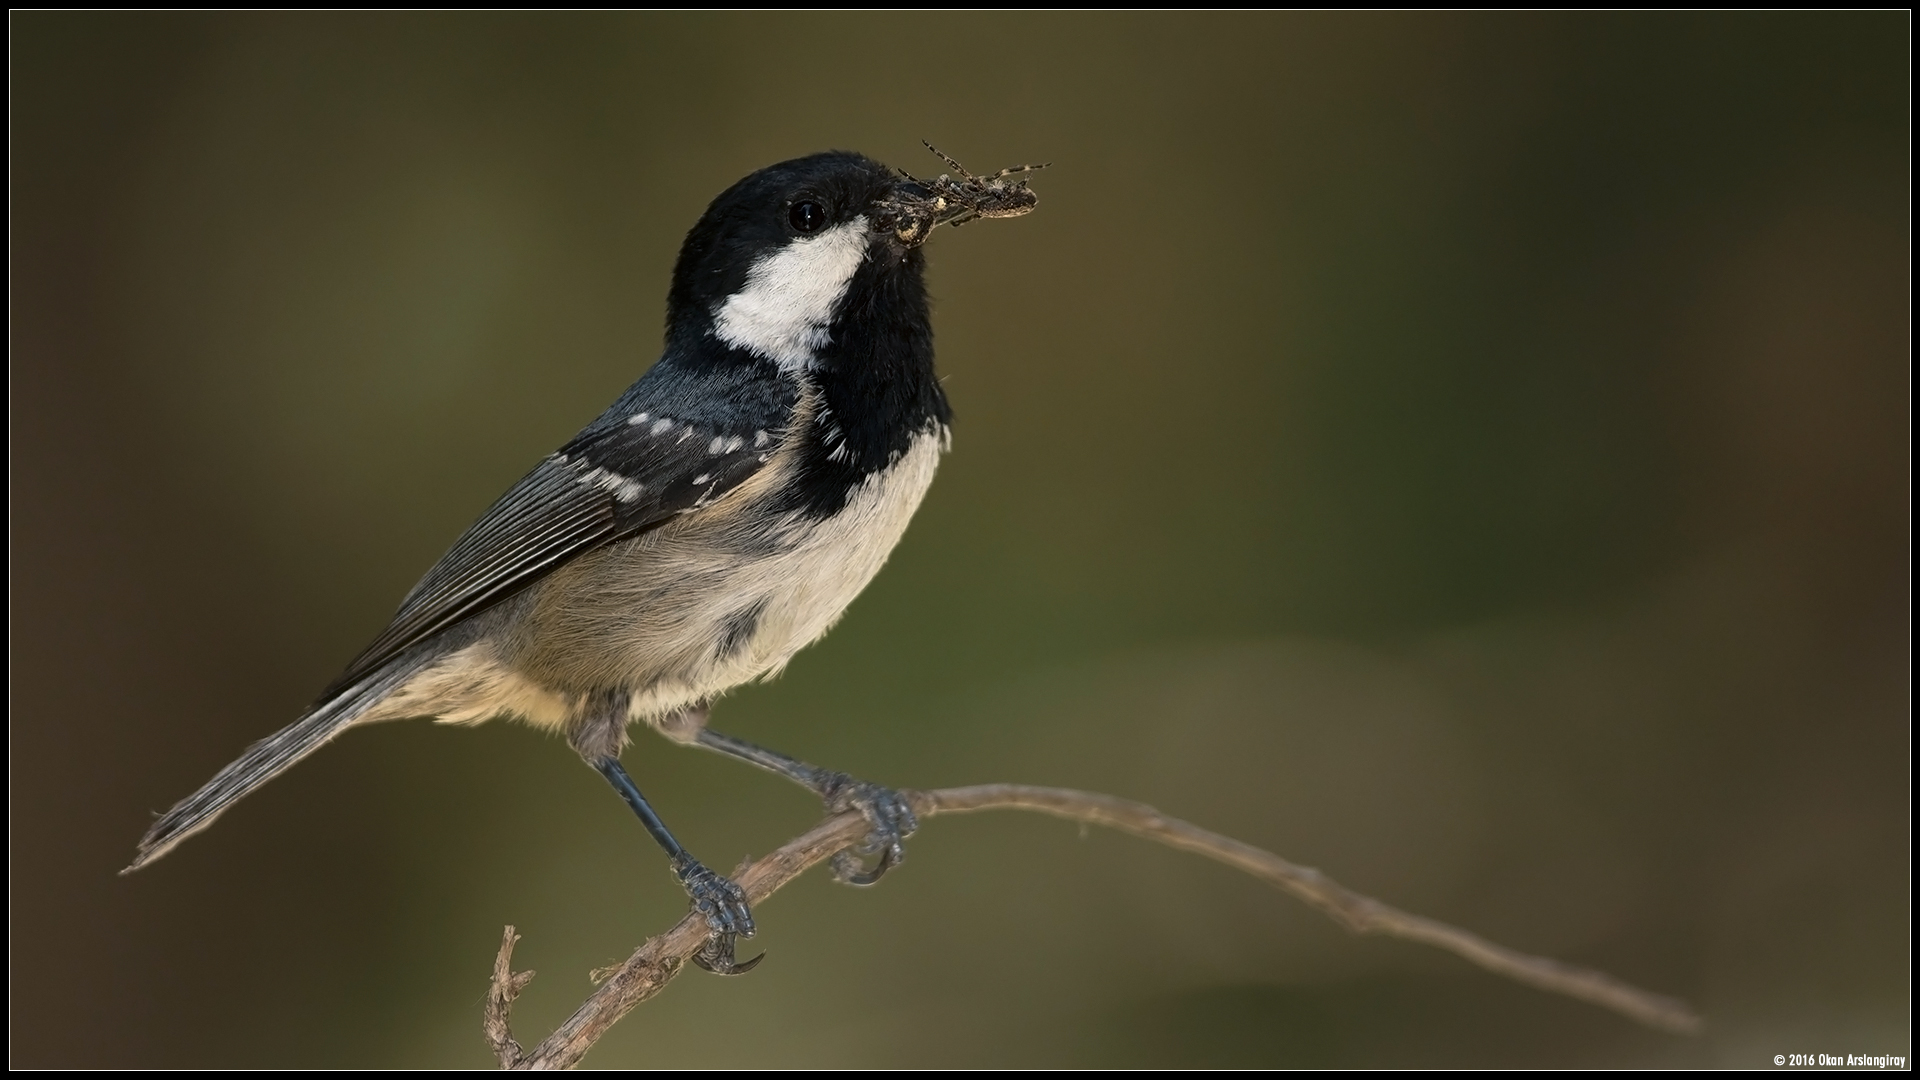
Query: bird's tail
[[268, 758]]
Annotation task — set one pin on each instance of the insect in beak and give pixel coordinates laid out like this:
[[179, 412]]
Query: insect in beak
[[920, 206]]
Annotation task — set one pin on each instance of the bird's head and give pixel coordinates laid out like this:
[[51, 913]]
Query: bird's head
[[782, 256]]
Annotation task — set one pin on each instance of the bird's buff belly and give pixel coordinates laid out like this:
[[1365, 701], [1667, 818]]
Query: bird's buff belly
[[676, 616]]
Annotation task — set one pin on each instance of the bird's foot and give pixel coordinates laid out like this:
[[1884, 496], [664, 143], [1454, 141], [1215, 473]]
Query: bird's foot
[[890, 816], [724, 905]]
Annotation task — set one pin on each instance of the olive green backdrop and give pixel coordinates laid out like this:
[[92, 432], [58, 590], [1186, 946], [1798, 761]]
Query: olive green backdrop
[[1466, 454]]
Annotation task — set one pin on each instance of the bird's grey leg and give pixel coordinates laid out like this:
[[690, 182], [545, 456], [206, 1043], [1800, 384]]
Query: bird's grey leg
[[885, 809], [719, 900]]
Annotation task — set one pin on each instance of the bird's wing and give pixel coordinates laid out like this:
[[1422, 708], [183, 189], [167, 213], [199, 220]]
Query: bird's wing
[[627, 473]]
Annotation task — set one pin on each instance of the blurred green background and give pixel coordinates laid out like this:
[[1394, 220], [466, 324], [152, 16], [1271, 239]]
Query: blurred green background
[[1463, 453]]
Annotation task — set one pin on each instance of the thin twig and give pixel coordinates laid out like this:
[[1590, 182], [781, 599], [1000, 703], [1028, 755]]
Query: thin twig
[[506, 987], [656, 962], [1360, 914]]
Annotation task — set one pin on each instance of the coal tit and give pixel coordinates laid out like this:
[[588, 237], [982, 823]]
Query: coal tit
[[718, 518]]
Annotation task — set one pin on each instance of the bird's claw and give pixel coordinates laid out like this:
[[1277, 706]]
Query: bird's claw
[[886, 810], [717, 956], [724, 905]]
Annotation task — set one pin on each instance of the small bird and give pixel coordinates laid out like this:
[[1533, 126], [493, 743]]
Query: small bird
[[716, 519]]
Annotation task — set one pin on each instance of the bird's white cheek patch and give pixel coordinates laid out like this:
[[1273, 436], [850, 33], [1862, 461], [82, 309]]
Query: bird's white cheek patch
[[790, 295]]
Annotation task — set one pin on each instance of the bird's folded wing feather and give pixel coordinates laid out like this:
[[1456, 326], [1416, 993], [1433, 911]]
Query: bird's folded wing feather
[[627, 473]]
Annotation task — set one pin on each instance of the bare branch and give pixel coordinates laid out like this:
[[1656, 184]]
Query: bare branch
[[1360, 914], [506, 987], [657, 961]]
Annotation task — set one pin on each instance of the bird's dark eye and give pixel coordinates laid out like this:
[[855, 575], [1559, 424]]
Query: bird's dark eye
[[807, 216]]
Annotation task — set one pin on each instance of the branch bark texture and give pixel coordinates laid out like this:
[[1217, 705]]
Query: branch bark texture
[[656, 962]]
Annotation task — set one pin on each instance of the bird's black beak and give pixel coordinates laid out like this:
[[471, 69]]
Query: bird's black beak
[[914, 208]]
